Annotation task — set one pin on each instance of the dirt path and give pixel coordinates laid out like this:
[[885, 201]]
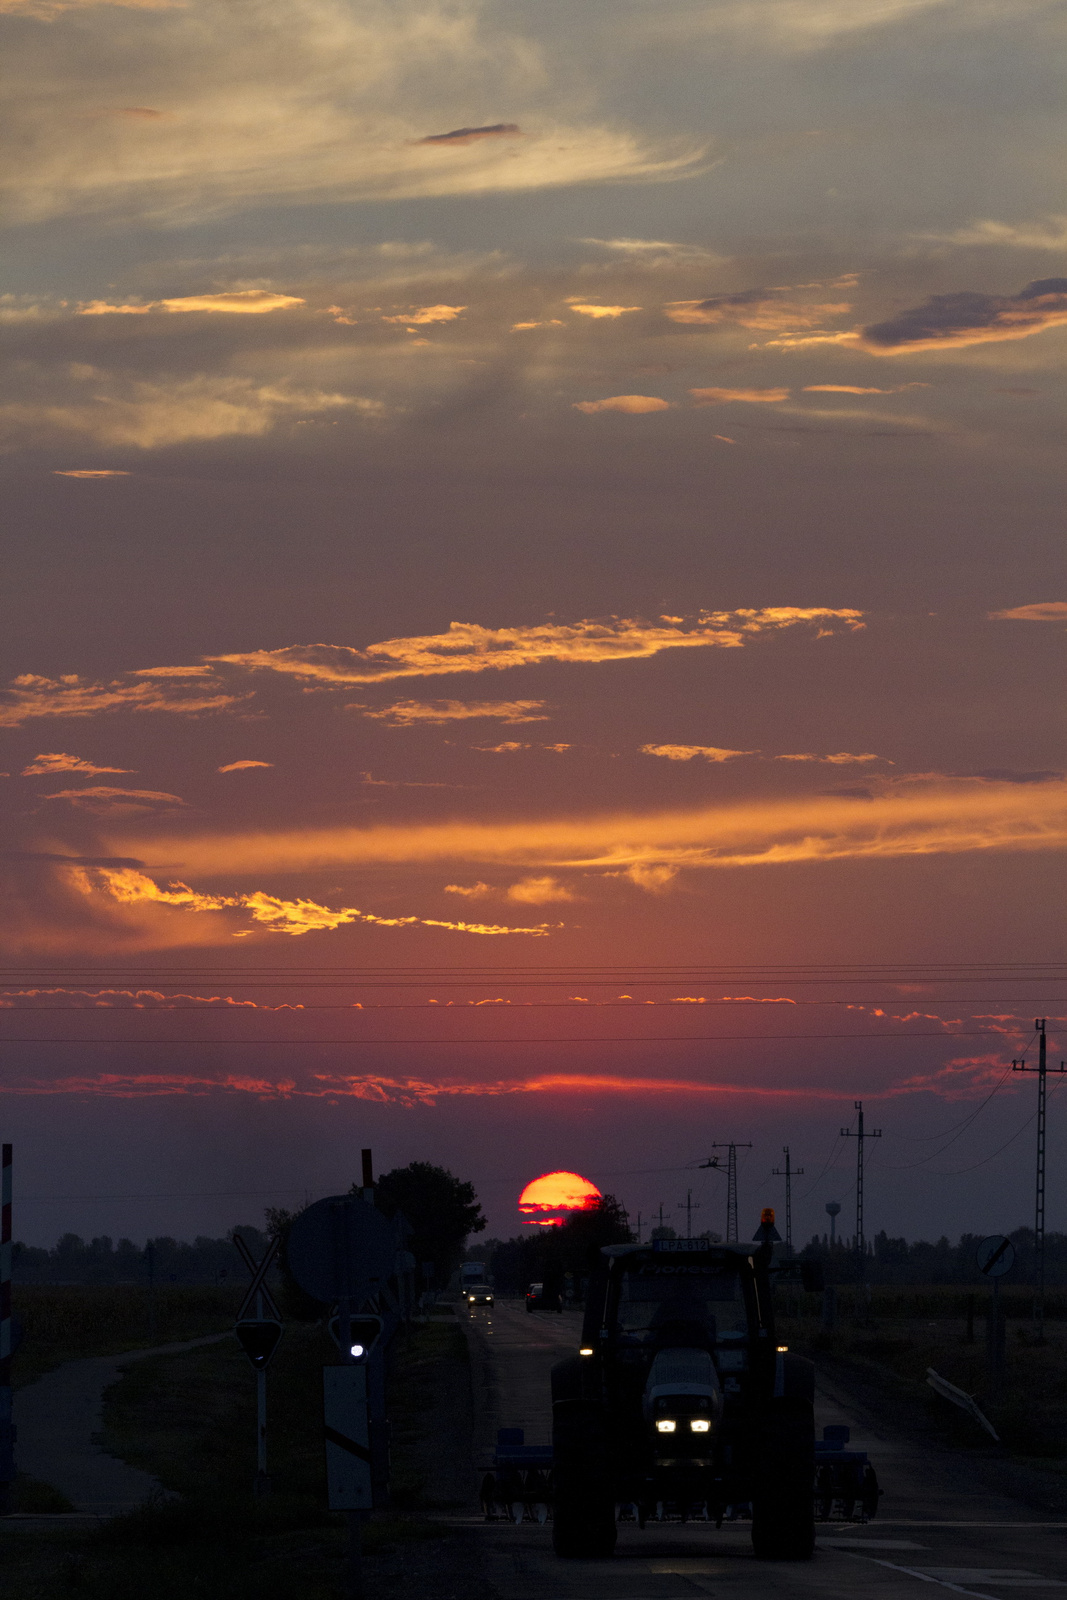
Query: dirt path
[[59, 1419]]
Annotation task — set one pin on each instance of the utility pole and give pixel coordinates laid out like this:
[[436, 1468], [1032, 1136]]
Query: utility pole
[[731, 1147], [859, 1136], [1042, 1070], [689, 1205], [639, 1227], [661, 1221], [789, 1173]]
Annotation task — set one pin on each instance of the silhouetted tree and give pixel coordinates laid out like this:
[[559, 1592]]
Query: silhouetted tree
[[443, 1212]]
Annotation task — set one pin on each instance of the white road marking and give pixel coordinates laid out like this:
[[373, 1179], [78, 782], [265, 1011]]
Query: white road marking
[[928, 1577], [868, 1544], [1003, 1577]]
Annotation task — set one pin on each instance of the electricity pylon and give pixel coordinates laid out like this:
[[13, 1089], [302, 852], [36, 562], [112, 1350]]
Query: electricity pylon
[[859, 1136], [731, 1147], [1042, 1069], [788, 1173]]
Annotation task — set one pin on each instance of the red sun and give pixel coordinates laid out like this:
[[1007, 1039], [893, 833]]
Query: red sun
[[556, 1192]]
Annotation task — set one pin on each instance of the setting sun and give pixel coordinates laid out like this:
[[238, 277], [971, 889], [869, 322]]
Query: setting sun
[[555, 1192]]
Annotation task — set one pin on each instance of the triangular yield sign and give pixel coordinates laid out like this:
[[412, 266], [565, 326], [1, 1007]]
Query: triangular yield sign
[[259, 1340]]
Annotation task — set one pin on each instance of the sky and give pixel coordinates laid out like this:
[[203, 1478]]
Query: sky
[[543, 512]]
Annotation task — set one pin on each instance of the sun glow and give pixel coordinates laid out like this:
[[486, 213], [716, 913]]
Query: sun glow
[[556, 1192]]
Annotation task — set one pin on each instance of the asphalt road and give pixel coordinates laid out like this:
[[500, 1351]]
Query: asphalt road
[[938, 1528]]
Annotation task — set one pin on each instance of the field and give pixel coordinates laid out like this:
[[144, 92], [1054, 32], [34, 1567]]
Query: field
[[190, 1420], [887, 1341]]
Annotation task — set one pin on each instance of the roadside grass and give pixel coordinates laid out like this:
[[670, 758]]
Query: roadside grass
[[890, 1342], [190, 1420], [65, 1323]]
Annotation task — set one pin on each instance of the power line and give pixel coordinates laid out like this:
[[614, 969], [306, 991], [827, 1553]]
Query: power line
[[622, 1038]]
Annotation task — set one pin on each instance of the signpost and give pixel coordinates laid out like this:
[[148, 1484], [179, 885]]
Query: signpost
[[7, 1427], [259, 1330], [342, 1251], [995, 1257]]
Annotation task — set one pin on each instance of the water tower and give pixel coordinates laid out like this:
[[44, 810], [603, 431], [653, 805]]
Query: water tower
[[832, 1209]]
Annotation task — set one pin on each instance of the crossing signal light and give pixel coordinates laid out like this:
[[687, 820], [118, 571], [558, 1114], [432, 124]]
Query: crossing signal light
[[259, 1338], [364, 1332]]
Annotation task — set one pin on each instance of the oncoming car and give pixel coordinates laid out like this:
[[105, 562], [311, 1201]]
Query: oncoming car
[[478, 1294]]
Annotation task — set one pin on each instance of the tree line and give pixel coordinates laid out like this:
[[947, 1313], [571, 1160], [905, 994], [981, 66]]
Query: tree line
[[896, 1261]]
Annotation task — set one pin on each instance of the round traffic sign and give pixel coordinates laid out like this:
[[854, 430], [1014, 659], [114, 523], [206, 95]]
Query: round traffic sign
[[341, 1246], [995, 1256]]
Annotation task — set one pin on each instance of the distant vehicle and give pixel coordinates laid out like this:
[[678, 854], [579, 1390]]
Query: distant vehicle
[[478, 1294], [540, 1298], [471, 1272]]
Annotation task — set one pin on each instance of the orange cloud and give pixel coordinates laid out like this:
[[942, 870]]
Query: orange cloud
[[104, 799], [522, 327], [759, 309], [472, 891], [88, 472], [935, 815], [539, 891], [58, 762], [841, 759], [634, 404], [955, 321], [1042, 611], [423, 315], [131, 887], [409, 713], [689, 752], [719, 397], [585, 309], [843, 388], [237, 301], [469, 647], [32, 696], [242, 766]]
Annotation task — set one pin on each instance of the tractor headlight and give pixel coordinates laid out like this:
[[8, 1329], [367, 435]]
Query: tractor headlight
[[666, 1425], [700, 1425]]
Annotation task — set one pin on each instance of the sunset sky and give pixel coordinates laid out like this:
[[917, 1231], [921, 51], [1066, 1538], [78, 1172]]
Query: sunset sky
[[548, 512]]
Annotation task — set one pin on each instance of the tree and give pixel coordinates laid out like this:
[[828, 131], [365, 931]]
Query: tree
[[442, 1210]]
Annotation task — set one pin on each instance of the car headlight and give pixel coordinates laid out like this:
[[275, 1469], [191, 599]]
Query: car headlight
[[666, 1425], [700, 1425]]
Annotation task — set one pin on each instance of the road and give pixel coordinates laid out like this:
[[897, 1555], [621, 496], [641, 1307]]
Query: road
[[938, 1528]]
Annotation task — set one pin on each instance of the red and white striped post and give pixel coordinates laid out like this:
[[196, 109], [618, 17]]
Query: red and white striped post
[[7, 1432]]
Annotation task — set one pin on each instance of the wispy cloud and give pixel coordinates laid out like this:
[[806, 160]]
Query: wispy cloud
[[1040, 611], [470, 647], [57, 761], [922, 816], [956, 321], [720, 397], [690, 752], [539, 891], [762, 310], [423, 316], [492, 130], [586, 308], [105, 800], [243, 766], [412, 713], [843, 758], [234, 302], [31, 696], [130, 887], [88, 472], [634, 404]]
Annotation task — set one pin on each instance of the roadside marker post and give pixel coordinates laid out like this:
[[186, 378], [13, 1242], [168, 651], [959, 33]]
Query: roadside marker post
[[259, 1331], [7, 1427], [995, 1257]]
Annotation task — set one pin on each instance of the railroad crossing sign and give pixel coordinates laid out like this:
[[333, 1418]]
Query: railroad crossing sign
[[995, 1256], [341, 1247], [258, 1286], [347, 1428], [258, 1338]]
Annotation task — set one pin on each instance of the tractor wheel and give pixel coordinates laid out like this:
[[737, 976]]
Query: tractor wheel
[[783, 1501], [869, 1492], [583, 1525]]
